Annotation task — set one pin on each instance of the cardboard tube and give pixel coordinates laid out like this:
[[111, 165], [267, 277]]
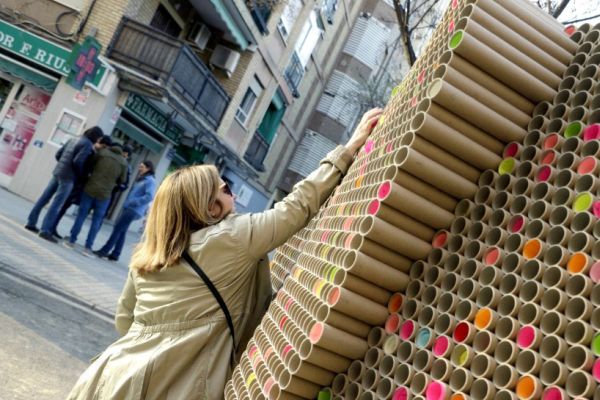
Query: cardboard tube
[[532, 291], [464, 208], [554, 298], [442, 346], [579, 357], [483, 389], [439, 155], [514, 243], [496, 237], [373, 358], [483, 366], [461, 380], [385, 388], [530, 313], [357, 306], [580, 383], [480, 214], [337, 341], [396, 218], [556, 256], [480, 93], [579, 285], [488, 296], [448, 299], [472, 269], [540, 209], [481, 55], [553, 323], [561, 215], [506, 352], [461, 356], [420, 208], [441, 369], [506, 327], [501, 202], [428, 316], [513, 262], [339, 384], [403, 374], [423, 360], [434, 173], [419, 383], [376, 336], [505, 376], [579, 332], [353, 391], [468, 289], [370, 379], [445, 324], [489, 176], [529, 362], [528, 387], [394, 238], [485, 342], [480, 115], [486, 81], [566, 178], [537, 229], [437, 256]]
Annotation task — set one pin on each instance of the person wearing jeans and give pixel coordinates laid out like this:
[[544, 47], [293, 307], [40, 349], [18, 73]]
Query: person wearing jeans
[[109, 169], [71, 158], [135, 207]]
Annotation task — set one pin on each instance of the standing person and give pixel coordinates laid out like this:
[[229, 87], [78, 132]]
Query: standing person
[[75, 195], [135, 207], [109, 168], [126, 151], [71, 158], [176, 343]]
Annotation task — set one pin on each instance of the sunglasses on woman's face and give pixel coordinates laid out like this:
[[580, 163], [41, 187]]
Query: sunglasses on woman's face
[[226, 189]]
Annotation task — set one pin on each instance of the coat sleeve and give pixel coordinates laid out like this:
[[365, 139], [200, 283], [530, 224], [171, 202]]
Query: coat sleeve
[[125, 307], [80, 158], [267, 230]]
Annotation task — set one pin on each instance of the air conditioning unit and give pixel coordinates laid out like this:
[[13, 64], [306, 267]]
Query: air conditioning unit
[[225, 59], [200, 35]]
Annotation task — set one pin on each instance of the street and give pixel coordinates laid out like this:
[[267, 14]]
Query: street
[[46, 342], [56, 305]]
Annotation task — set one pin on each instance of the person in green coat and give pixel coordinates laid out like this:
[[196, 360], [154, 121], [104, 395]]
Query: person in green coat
[[109, 168], [175, 340]]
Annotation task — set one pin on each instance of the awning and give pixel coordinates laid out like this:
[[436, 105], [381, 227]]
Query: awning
[[27, 74], [139, 135], [224, 15]]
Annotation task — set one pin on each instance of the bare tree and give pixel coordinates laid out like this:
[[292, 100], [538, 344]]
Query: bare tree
[[415, 19], [554, 8]]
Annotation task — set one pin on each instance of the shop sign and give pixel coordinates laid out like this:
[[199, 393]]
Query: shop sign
[[153, 117], [39, 50], [84, 62]]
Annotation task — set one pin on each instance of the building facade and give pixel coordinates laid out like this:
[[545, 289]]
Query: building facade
[[359, 80], [226, 82]]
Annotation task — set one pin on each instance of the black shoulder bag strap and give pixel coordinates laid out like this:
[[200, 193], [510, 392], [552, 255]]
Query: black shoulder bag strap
[[217, 296]]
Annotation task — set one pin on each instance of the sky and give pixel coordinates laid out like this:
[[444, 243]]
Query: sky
[[580, 9]]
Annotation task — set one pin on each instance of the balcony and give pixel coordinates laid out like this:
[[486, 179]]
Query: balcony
[[172, 65], [294, 73], [256, 152]]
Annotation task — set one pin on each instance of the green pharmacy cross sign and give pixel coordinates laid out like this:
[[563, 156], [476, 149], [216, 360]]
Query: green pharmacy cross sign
[[84, 62]]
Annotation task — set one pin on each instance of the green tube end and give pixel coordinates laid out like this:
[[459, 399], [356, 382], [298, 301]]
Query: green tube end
[[506, 166], [456, 39], [573, 129]]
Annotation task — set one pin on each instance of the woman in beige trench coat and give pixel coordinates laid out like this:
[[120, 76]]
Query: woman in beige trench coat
[[175, 341]]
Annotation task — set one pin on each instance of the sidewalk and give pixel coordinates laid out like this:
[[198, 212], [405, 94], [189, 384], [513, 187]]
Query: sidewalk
[[89, 281]]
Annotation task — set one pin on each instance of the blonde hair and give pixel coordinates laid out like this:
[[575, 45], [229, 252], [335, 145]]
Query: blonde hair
[[181, 206]]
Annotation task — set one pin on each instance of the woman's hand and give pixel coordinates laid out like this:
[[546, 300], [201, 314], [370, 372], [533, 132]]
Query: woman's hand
[[363, 130]]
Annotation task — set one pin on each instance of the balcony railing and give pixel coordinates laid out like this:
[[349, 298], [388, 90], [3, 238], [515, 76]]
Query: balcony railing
[[173, 64], [257, 151]]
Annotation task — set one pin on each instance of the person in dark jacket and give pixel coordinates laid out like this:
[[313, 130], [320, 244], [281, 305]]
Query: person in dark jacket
[[126, 150], [109, 169], [135, 207], [71, 158], [75, 196]]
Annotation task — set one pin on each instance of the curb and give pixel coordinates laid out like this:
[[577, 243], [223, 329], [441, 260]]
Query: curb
[[92, 308]]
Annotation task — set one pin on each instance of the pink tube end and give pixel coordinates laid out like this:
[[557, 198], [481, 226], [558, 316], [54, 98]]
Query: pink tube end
[[596, 209], [454, 4], [440, 346], [552, 393], [550, 141], [491, 256], [548, 157], [334, 296], [591, 132], [348, 223], [384, 190], [401, 393], [407, 329], [391, 324], [571, 29], [435, 391], [544, 173], [316, 332], [413, 102], [595, 272], [286, 350], [451, 26], [596, 370], [587, 165], [526, 337], [389, 147], [440, 239], [511, 150], [421, 76], [516, 224], [348, 241], [373, 207], [288, 304], [369, 146]]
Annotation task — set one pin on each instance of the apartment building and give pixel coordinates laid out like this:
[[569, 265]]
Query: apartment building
[[226, 82], [369, 54]]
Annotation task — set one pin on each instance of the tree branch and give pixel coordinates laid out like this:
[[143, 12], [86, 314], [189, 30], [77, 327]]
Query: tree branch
[[429, 9], [560, 8]]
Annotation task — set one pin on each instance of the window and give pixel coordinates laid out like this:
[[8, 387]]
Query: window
[[294, 73], [249, 101], [260, 15], [289, 16], [308, 39], [164, 21]]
